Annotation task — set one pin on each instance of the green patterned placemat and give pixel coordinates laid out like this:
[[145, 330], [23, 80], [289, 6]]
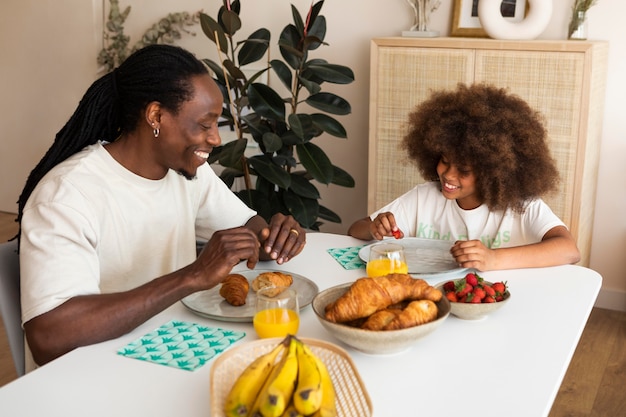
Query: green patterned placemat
[[348, 257], [181, 345]]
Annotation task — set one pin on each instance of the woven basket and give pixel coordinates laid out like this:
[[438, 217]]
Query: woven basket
[[352, 399]]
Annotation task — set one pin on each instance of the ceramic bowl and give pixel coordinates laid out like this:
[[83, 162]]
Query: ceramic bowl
[[469, 311], [373, 341]]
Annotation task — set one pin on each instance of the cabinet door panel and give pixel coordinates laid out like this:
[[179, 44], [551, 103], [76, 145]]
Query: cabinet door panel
[[551, 83]]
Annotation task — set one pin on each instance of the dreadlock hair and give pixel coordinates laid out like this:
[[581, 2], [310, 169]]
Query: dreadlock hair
[[114, 103]]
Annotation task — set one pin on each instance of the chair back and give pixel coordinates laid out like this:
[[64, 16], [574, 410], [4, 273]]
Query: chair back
[[10, 304]]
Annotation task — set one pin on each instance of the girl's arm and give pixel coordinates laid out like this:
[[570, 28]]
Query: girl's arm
[[557, 247]]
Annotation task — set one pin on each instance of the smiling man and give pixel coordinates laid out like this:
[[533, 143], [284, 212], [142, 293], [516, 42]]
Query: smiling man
[[110, 216]]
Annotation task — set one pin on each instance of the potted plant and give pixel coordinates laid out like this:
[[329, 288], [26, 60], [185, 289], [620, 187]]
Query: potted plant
[[280, 126]]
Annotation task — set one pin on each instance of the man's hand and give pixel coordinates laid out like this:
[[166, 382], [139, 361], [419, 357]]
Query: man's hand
[[224, 250], [283, 239]]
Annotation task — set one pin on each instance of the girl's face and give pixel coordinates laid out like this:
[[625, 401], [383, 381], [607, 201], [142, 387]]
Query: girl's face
[[458, 182]]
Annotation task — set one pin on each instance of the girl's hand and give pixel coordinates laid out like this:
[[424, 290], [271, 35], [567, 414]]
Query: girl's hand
[[385, 225], [473, 254]]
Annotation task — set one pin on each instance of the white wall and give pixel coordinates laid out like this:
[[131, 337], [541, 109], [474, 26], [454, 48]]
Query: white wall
[[48, 60]]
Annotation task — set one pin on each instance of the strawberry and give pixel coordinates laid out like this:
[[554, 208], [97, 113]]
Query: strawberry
[[471, 279], [449, 286], [489, 290], [472, 298], [396, 233], [463, 290], [451, 296], [499, 287], [479, 292], [489, 299]]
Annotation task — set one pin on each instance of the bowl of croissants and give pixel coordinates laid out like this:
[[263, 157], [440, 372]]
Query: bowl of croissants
[[382, 315]]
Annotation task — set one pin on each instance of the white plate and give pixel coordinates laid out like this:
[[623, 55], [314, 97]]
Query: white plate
[[212, 305], [423, 256]]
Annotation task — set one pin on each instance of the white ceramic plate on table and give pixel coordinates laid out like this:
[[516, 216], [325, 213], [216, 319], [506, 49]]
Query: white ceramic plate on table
[[423, 256], [211, 304]]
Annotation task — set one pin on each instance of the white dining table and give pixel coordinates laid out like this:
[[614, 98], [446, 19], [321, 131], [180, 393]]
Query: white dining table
[[508, 364]]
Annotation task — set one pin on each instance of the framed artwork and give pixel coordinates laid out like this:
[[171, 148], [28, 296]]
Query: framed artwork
[[465, 17]]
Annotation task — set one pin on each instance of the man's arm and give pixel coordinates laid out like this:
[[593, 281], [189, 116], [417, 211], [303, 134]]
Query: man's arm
[[89, 319]]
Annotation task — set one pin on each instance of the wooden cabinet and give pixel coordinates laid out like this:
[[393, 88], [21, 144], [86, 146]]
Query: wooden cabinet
[[564, 80]]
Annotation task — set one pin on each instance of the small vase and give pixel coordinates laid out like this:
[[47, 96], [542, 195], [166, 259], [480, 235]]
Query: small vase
[[578, 27]]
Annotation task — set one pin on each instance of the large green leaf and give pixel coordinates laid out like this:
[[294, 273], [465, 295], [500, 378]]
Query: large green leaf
[[210, 27], [282, 71], [255, 126], [327, 214], [232, 152], [336, 74], [288, 45], [297, 19], [272, 142], [329, 125], [313, 158], [234, 70], [302, 125], [330, 103], [228, 175], [303, 187], [342, 178], [257, 201], [304, 210], [217, 70], [266, 102], [269, 170], [315, 11], [230, 21], [311, 86], [254, 47], [316, 34]]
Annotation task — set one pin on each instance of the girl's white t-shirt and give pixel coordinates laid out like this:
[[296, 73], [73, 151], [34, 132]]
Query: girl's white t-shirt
[[425, 213]]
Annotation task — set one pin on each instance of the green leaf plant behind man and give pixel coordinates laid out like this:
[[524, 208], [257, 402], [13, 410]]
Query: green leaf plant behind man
[[280, 178]]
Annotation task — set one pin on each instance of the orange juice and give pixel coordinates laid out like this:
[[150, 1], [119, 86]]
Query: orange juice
[[276, 322], [380, 267]]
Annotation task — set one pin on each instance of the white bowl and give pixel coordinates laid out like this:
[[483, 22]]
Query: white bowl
[[469, 311], [374, 341]]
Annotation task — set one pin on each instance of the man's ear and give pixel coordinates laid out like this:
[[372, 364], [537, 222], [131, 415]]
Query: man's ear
[[153, 114]]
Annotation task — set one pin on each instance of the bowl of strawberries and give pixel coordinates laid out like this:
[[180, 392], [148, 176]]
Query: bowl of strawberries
[[473, 298]]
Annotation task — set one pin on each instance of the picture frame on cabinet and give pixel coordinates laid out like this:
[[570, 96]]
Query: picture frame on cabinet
[[465, 20]]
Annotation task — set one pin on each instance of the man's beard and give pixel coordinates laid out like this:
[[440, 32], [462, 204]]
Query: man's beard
[[187, 175]]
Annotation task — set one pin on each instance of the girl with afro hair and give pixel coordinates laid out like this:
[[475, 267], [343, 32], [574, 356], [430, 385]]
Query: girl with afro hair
[[484, 156]]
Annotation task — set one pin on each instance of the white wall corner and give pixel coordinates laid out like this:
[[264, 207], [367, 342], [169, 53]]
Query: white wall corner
[[611, 299]]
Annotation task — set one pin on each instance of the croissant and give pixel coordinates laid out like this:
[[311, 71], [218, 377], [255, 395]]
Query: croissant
[[235, 289], [416, 313], [272, 279], [369, 295], [381, 318]]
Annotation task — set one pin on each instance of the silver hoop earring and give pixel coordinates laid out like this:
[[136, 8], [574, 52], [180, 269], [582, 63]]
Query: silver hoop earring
[[156, 132]]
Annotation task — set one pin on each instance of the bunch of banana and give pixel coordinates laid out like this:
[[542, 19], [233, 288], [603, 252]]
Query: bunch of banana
[[296, 385]]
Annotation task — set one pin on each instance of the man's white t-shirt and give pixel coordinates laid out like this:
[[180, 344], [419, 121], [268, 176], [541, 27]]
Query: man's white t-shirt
[[425, 213], [91, 226]]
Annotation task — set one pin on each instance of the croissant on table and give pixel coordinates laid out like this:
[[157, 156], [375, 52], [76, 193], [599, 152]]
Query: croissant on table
[[416, 313], [380, 319], [369, 295], [235, 289], [272, 279]]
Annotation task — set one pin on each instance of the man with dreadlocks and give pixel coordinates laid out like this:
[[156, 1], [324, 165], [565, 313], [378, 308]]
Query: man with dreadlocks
[[110, 216]]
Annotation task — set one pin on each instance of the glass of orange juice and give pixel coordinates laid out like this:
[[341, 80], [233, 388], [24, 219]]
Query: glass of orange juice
[[386, 258], [277, 312]]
